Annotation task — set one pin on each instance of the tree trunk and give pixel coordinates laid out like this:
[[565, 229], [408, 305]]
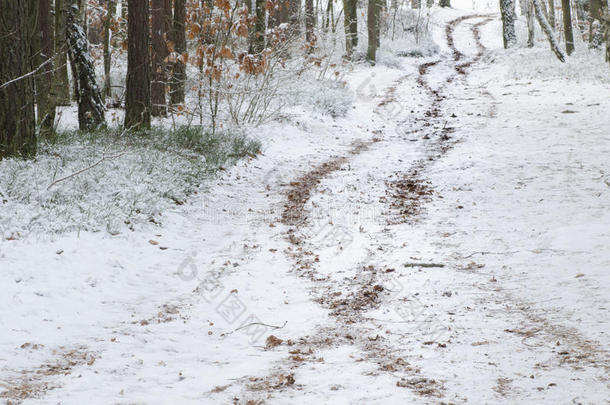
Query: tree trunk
[[294, 16], [179, 39], [17, 118], [159, 52], [529, 13], [82, 6], [275, 13], [415, 4], [61, 82], [507, 8], [552, 13], [310, 19], [260, 27], [44, 98], [444, 3], [373, 16], [606, 19], [110, 13], [88, 97], [137, 105], [546, 28], [350, 21], [567, 26]]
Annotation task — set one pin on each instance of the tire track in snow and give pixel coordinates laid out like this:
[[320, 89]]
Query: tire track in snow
[[348, 302]]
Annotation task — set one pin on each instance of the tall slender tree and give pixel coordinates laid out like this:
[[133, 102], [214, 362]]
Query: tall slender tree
[[567, 26], [61, 83], [260, 26], [552, 13], [137, 105], [110, 14], [45, 100], [178, 38], [350, 22], [373, 20], [548, 31], [507, 9], [294, 16], [310, 20], [86, 90], [159, 52], [17, 118], [529, 16]]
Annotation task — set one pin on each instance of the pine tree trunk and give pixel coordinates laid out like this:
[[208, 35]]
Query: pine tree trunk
[[507, 8], [567, 26], [179, 39], [546, 28], [17, 118], [158, 54], [110, 13], [44, 98], [350, 21], [61, 83], [137, 105], [373, 17], [88, 96], [310, 19]]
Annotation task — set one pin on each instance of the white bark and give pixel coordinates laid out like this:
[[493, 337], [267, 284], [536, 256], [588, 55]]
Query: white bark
[[546, 28]]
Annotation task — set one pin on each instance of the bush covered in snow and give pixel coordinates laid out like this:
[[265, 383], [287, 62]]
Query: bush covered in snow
[[108, 179]]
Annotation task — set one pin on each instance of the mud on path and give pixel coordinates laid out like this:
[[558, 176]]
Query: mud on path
[[348, 301]]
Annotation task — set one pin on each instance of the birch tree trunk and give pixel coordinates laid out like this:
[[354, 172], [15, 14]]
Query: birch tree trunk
[[17, 118], [137, 105], [552, 14], [546, 28], [88, 96]]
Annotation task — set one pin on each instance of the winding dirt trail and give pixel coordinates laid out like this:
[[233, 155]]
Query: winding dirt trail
[[370, 286]]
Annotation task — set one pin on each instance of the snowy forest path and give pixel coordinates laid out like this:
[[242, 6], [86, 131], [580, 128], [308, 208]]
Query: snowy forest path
[[393, 325], [374, 270]]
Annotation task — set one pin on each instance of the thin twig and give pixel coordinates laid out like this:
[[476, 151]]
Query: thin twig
[[424, 265], [104, 157], [260, 323], [27, 74]]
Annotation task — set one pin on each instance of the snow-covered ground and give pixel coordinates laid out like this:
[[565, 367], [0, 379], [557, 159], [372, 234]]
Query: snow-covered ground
[[492, 289]]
